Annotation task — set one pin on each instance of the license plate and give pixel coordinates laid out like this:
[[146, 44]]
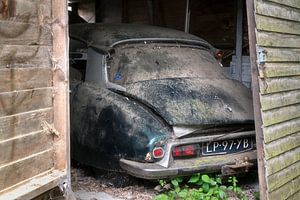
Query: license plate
[[227, 146]]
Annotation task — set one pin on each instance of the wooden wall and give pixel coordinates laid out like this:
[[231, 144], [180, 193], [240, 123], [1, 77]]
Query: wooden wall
[[278, 34], [28, 67]]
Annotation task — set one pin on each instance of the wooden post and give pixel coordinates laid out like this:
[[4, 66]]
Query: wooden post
[[61, 85], [256, 101], [239, 40]]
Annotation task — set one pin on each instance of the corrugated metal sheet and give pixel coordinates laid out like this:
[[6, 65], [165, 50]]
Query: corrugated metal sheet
[[278, 35]]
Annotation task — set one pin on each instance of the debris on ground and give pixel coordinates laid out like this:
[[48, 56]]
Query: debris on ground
[[91, 184]]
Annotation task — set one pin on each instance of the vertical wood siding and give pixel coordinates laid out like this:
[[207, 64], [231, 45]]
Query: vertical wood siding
[[27, 94], [278, 33]]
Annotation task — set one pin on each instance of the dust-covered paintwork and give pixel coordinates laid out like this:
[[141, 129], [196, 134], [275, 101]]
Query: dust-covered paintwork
[[157, 81]]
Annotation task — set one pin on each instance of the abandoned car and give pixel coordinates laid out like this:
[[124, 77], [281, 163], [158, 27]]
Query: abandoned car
[[156, 103]]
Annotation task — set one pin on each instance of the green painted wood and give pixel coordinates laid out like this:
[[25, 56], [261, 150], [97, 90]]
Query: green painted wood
[[282, 145], [280, 130], [282, 161], [276, 100], [280, 84], [270, 70], [282, 177], [286, 190], [291, 3], [282, 54], [281, 114], [271, 39], [266, 23], [276, 10]]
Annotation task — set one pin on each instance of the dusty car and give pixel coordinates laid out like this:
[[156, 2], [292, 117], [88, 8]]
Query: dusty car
[[155, 103]]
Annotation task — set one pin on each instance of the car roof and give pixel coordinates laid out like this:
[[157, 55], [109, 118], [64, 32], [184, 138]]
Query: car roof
[[105, 35]]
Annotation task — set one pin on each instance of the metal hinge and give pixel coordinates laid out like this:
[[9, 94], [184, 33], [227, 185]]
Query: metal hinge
[[261, 55]]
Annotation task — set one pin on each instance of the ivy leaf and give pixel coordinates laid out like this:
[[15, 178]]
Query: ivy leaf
[[162, 197], [194, 179], [183, 194], [205, 187], [175, 182], [205, 178]]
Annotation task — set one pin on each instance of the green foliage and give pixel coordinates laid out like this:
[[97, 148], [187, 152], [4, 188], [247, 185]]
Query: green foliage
[[200, 187]]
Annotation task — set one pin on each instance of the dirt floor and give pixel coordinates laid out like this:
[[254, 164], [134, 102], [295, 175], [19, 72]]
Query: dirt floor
[[125, 187]]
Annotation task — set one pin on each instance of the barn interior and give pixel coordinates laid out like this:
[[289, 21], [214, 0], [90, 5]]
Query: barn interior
[[222, 23]]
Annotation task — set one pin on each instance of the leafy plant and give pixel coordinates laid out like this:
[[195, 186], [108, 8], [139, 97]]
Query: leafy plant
[[200, 187]]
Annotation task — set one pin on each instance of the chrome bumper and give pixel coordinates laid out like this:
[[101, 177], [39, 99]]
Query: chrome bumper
[[185, 166]]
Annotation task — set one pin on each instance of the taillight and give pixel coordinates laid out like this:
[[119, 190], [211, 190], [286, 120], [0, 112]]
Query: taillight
[[158, 152], [186, 150]]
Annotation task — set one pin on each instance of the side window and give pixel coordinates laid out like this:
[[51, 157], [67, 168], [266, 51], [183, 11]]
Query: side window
[[94, 69]]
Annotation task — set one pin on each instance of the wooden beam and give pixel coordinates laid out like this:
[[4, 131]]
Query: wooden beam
[[239, 40], [35, 186], [256, 100], [61, 87]]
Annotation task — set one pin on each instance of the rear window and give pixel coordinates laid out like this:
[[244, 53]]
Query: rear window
[[141, 62]]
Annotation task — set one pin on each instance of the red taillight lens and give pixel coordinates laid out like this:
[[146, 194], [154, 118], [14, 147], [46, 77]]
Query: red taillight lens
[[158, 152], [187, 150]]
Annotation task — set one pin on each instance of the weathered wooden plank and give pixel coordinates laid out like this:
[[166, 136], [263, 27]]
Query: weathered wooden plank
[[282, 145], [24, 78], [61, 84], [280, 130], [291, 3], [286, 190], [26, 168], [294, 196], [282, 161], [24, 123], [24, 101], [35, 186], [272, 39], [277, 25], [270, 70], [280, 84], [28, 11], [25, 56], [282, 114], [20, 33], [276, 10], [276, 100], [282, 177], [282, 54], [26, 145]]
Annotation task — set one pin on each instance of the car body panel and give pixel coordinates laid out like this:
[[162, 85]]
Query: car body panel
[[112, 122], [106, 126], [195, 101]]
